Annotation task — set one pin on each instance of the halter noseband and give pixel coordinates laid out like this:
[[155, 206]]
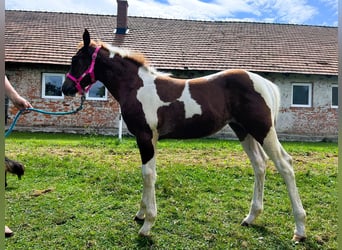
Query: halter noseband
[[89, 71]]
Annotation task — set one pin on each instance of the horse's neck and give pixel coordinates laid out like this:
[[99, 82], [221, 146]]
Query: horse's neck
[[120, 76]]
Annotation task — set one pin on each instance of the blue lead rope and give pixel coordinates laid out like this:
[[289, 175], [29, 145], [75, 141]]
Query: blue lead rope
[[9, 130]]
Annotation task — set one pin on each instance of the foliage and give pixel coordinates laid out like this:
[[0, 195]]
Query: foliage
[[82, 192]]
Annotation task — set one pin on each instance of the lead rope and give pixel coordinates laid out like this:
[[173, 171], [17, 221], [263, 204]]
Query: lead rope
[[9, 130]]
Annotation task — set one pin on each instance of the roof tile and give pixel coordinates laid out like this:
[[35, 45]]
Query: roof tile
[[52, 38]]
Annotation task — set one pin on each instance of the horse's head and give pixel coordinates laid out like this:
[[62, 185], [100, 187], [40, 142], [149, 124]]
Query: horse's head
[[81, 75]]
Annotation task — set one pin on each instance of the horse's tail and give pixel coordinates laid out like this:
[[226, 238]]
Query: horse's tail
[[269, 91]]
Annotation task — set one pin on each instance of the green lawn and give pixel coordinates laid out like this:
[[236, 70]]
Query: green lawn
[[82, 192]]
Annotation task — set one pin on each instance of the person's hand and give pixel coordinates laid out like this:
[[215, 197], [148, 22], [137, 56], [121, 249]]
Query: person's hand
[[21, 103], [18, 101]]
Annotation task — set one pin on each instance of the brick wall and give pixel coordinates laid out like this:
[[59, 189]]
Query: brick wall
[[96, 116], [319, 121], [312, 123]]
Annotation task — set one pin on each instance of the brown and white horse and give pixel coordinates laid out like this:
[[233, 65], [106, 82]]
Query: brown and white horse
[[156, 106]]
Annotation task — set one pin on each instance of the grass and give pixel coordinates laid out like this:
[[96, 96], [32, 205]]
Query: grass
[[82, 192]]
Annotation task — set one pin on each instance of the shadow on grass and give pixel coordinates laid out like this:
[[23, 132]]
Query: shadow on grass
[[145, 242], [11, 188], [285, 244], [267, 234]]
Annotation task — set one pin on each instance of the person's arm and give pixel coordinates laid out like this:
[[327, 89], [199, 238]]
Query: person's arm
[[18, 101]]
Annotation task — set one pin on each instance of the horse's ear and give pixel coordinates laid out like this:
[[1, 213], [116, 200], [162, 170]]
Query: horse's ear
[[86, 38]]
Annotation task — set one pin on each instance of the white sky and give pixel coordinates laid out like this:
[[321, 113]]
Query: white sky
[[317, 12]]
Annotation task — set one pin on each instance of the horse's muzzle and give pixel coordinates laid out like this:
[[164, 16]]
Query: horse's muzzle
[[68, 88]]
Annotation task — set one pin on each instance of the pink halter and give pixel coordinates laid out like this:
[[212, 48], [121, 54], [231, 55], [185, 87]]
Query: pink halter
[[89, 71]]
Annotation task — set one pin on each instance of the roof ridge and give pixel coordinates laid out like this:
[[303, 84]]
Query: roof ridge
[[58, 12]]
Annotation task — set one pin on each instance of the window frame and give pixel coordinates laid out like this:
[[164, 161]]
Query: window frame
[[309, 95], [334, 86], [44, 85], [105, 98]]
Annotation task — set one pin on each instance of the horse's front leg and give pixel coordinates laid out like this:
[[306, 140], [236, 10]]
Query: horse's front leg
[[148, 206]]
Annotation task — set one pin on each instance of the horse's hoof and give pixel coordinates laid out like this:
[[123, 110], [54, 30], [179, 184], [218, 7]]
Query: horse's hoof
[[298, 238], [138, 220], [244, 224], [144, 234]]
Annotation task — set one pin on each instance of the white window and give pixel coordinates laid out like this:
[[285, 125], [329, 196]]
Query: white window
[[52, 85], [97, 92], [334, 96], [301, 95]]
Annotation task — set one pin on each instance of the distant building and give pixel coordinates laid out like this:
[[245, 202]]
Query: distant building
[[301, 60]]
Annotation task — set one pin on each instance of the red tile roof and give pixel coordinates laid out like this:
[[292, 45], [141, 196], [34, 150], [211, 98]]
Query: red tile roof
[[52, 38]]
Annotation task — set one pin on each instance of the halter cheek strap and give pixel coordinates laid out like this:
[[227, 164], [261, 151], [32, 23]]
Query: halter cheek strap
[[89, 71]]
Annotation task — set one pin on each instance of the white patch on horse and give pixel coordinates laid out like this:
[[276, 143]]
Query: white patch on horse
[[113, 50], [149, 98], [112, 54], [190, 105], [269, 91]]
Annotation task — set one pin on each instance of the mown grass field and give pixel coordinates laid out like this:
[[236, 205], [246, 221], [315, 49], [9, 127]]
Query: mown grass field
[[82, 192]]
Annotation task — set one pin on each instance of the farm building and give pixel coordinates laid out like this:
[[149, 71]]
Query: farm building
[[301, 60]]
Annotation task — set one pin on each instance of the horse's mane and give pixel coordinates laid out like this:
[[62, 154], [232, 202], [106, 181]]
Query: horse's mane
[[135, 56], [124, 53]]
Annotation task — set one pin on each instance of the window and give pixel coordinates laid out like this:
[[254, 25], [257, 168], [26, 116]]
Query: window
[[97, 92], [52, 85], [334, 96], [301, 94]]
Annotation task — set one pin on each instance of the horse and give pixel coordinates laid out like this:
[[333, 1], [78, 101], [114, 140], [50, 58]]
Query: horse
[[155, 106]]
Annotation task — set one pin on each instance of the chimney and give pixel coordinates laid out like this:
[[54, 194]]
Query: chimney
[[121, 18]]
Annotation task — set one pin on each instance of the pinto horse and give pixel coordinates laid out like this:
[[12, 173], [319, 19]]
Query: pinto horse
[[156, 106]]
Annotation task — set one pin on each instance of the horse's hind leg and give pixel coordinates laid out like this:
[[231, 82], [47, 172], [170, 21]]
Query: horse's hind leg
[[258, 160], [283, 163]]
